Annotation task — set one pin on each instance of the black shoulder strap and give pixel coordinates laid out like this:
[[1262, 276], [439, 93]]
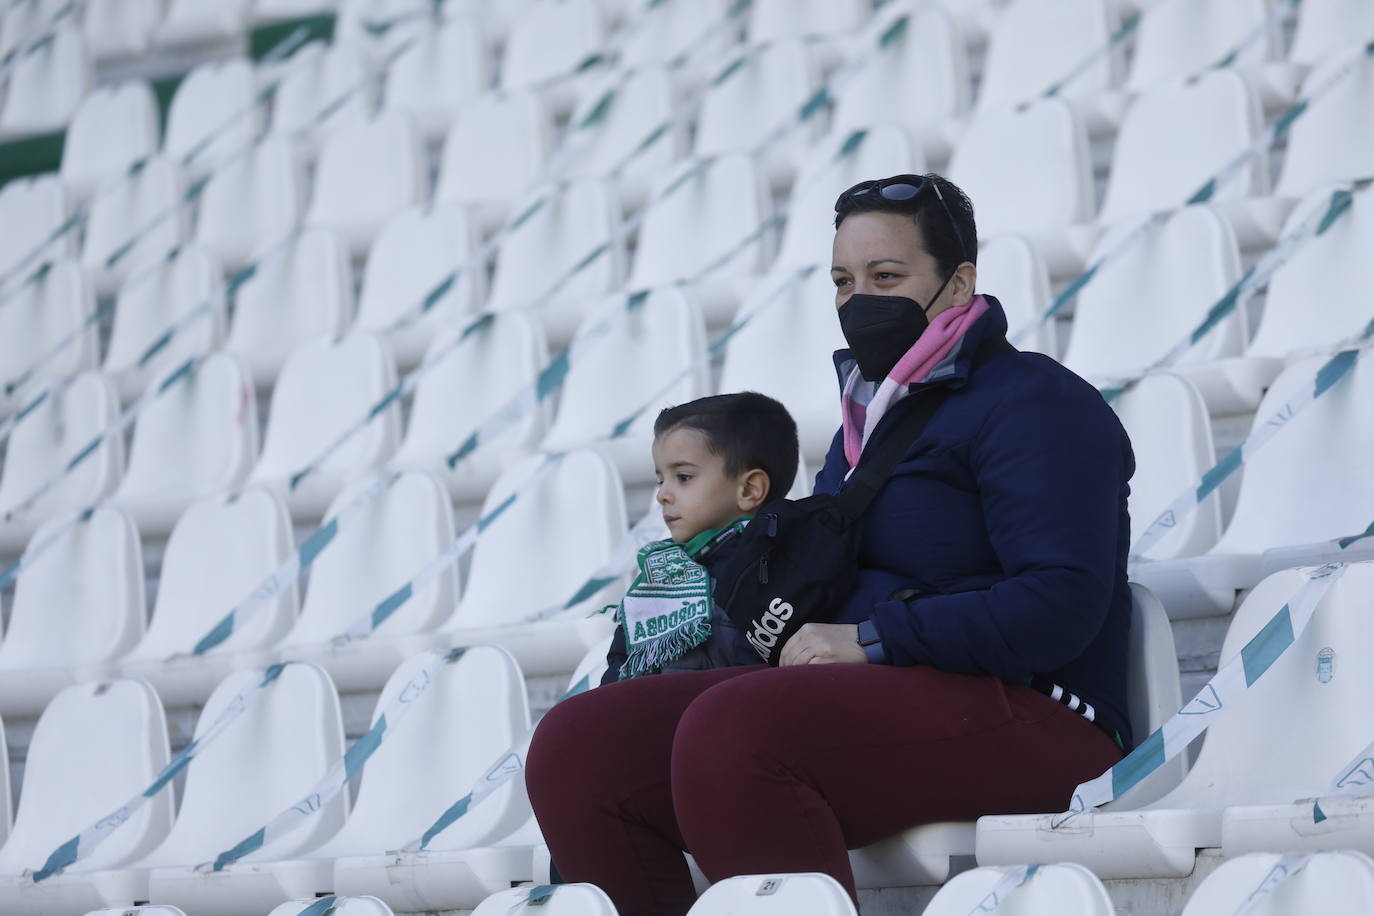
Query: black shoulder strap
[[876, 464]]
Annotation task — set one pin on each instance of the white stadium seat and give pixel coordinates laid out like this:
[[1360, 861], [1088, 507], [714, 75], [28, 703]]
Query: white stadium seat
[[1240, 763], [214, 116], [45, 440], [150, 301], [251, 201], [509, 346], [381, 28], [191, 23], [784, 351], [920, 82], [564, 899], [774, 895], [548, 46], [47, 81], [493, 154], [46, 333], [582, 493], [1177, 39], [1325, 26], [767, 91], [77, 602], [655, 342], [1152, 297], [1332, 882], [367, 173], [1333, 138], [339, 906], [220, 551], [410, 259], [325, 89], [666, 31], [1042, 192], [261, 764], [1309, 484], [434, 78], [554, 263], [777, 20], [324, 387], [39, 205], [63, 794], [1052, 890], [299, 292], [194, 440], [1010, 269], [151, 909], [134, 222], [113, 128], [121, 30], [709, 221], [474, 710], [384, 548]]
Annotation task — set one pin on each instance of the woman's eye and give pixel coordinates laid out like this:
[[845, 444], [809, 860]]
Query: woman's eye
[[840, 282], [885, 276]]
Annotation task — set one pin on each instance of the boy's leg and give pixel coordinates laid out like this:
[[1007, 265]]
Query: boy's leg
[[786, 769], [598, 778]]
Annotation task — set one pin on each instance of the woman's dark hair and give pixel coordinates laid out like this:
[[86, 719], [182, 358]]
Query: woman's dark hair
[[749, 430], [951, 238]]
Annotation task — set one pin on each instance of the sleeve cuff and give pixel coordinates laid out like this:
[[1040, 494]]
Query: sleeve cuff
[[871, 641]]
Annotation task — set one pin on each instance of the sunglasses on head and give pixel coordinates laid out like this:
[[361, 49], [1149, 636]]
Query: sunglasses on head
[[901, 188]]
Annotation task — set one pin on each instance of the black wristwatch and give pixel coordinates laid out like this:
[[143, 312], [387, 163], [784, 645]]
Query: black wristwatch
[[872, 643]]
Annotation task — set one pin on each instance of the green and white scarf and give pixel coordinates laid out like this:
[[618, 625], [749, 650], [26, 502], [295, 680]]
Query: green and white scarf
[[667, 611]]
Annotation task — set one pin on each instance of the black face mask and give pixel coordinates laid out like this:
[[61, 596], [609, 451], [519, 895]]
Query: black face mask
[[880, 329]]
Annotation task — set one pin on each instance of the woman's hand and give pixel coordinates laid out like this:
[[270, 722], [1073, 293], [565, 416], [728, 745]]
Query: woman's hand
[[823, 644]]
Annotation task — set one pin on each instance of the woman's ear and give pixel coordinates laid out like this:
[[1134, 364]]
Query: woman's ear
[[753, 489]]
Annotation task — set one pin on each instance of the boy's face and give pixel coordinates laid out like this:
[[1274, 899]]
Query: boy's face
[[693, 489]]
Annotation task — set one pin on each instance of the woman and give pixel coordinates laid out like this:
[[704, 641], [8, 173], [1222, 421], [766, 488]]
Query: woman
[[992, 568]]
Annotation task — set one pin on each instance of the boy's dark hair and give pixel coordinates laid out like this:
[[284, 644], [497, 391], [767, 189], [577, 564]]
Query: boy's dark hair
[[950, 238], [749, 430]]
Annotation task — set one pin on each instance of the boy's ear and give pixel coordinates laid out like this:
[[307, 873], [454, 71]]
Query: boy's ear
[[753, 489]]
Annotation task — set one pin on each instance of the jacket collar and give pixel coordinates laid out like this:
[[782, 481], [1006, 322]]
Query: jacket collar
[[955, 368]]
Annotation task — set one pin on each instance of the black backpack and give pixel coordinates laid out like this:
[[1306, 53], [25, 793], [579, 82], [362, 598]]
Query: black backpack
[[796, 562]]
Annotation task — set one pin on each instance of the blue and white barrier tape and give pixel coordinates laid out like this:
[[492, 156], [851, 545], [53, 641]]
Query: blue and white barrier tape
[[1202, 195], [1014, 878], [84, 843], [538, 895], [342, 770], [1332, 372], [1226, 688]]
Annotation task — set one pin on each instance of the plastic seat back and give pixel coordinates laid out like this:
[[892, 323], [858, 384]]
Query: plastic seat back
[[33, 208], [444, 70], [366, 173], [1067, 889], [297, 293], [340, 906], [150, 302], [324, 387], [194, 440], [46, 439], [1035, 43], [396, 535], [189, 23], [1332, 140], [1327, 25], [80, 601], [134, 222], [1138, 307], [1329, 882], [220, 550], [473, 710], [261, 764], [642, 102], [47, 82], [785, 352], [34, 329], [114, 127], [319, 78], [1210, 122], [414, 253], [1171, 433], [766, 895], [1177, 39], [703, 221], [1311, 482], [1293, 322], [771, 86], [217, 98], [1010, 269], [1047, 185], [666, 31], [254, 199], [775, 20], [551, 40], [582, 494], [563, 900], [1153, 689], [121, 30], [495, 152], [63, 794]]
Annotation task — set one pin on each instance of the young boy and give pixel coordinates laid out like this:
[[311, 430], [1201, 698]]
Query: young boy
[[717, 459]]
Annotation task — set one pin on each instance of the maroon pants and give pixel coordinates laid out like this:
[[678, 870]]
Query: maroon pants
[[758, 770]]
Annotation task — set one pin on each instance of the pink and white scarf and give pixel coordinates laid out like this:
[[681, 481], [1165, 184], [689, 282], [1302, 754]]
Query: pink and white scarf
[[864, 403]]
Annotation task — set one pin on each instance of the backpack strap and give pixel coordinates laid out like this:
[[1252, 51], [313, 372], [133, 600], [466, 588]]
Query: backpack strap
[[877, 463]]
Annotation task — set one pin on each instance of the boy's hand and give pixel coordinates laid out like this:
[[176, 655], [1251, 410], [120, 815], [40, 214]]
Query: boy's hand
[[823, 644]]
